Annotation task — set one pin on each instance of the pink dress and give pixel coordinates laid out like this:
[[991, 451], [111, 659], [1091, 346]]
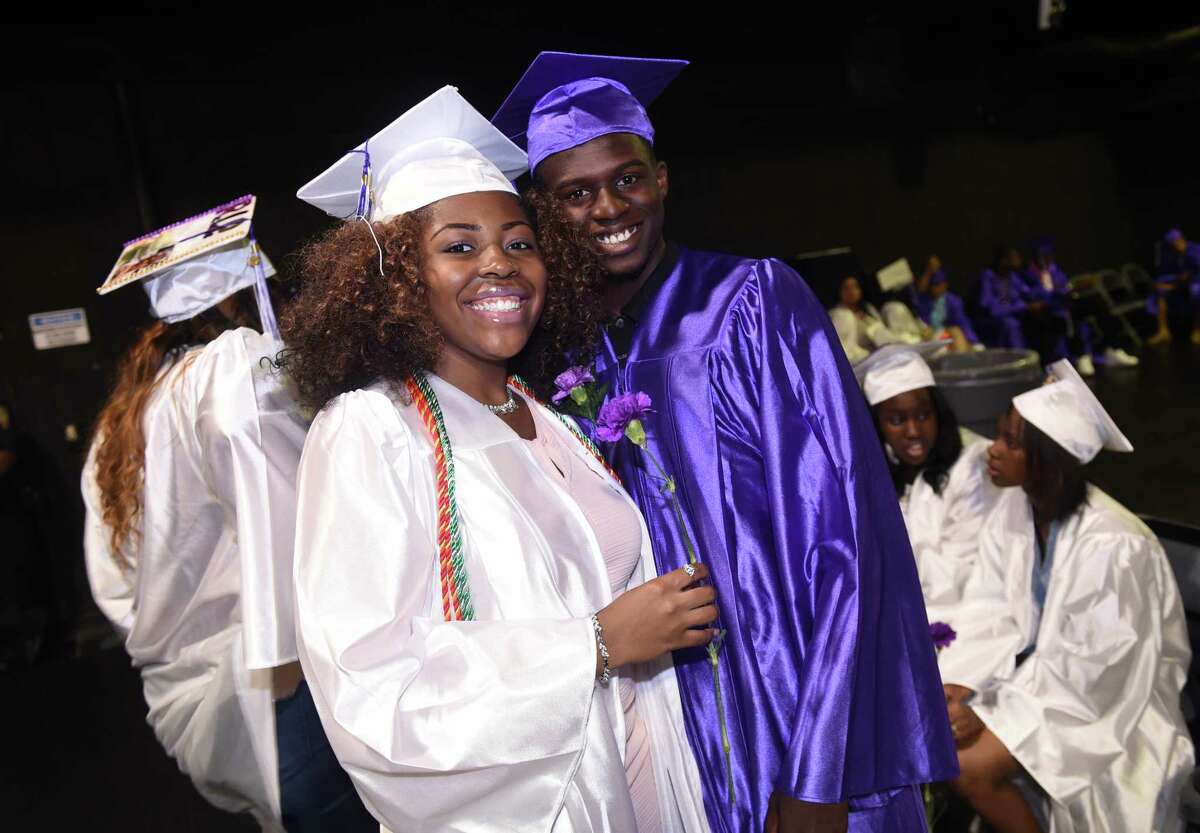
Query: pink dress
[[615, 525]]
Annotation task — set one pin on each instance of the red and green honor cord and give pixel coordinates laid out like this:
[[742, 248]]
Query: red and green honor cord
[[456, 590]]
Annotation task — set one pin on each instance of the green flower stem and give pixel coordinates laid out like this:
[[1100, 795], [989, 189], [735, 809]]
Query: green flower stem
[[638, 437]]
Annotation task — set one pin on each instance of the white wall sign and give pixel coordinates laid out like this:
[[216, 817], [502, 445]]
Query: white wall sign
[[60, 328]]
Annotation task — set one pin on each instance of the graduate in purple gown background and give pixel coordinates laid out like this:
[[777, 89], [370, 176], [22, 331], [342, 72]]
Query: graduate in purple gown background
[[1176, 286], [1002, 300], [835, 708], [942, 309]]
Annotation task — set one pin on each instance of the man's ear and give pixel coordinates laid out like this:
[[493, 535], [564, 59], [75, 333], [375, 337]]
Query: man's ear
[[660, 174]]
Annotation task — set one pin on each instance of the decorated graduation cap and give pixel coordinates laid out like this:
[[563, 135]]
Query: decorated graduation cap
[[193, 265], [1066, 411], [442, 147], [565, 99], [894, 369]]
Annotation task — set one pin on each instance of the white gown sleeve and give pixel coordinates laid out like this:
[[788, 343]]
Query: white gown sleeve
[[969, 497], [846, 327], [250, 434], [1068, 711], [989, 633], [112, 588], [478, 720]]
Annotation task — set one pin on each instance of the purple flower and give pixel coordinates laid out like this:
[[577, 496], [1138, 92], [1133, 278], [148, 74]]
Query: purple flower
[[570, 379], [618, 413], [942, 634]]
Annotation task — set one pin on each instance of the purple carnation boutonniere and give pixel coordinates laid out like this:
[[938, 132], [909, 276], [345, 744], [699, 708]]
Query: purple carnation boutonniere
[[942, 635], [577, 392], [621, 418]]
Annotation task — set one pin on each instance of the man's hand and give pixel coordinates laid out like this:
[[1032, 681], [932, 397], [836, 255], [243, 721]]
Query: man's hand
[[791, 815]]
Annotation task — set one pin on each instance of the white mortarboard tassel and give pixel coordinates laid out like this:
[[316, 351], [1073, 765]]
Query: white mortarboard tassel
[[1066, 410], [187, 289], [440, 148], [895, 369]]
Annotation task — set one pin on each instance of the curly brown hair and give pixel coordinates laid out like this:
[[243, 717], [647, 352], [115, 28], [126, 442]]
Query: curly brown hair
[[350, 326]]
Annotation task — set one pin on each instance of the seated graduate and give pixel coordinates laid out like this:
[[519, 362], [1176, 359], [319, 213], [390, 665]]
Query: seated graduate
[[189, 491], [938, 468], [1001, 301], [861, 327], [942, 310], [1061, 328], [1176, 286], [1072, 646], [486, 639]]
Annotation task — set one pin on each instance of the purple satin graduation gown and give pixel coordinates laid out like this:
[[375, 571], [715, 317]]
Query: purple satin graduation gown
[[956, 313], [828, 670], [1000, 301]]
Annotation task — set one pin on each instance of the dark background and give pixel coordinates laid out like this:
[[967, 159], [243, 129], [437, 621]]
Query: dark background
[[896, 128]]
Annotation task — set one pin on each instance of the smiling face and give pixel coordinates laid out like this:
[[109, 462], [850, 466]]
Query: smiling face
[[909, 424], [613, 188], [1006, 455], [486, 278]]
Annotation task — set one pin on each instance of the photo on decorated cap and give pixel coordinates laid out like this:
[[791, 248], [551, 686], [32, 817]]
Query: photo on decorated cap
[[894, 369], [441, 147], [1066, 411], [194, 264], [565, 99]]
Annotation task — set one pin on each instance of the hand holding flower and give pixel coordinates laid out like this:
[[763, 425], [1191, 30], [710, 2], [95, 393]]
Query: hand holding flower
[[663, 615]]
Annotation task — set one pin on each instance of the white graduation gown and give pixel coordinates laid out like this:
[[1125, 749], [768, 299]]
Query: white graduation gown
[[944, 529], [206, 608], [860, 336], [491, 725], [1093, 713]]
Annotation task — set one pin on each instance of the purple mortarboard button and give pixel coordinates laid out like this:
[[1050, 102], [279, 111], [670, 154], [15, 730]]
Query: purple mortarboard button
[[564, 100]]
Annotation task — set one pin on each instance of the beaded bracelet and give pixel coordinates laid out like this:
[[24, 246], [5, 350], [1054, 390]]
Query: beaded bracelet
[[606, 672]]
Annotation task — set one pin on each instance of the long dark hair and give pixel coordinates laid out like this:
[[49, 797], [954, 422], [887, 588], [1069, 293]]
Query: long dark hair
[[944, 454], [1054, 478], [121, 442]]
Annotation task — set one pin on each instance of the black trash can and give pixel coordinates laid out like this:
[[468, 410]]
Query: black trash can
[[979, 386]]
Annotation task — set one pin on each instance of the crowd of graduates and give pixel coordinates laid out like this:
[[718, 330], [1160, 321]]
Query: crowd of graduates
[[1023, 302]]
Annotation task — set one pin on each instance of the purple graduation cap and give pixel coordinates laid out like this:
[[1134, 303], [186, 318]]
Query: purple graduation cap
[[564, 100], [1171, 236]]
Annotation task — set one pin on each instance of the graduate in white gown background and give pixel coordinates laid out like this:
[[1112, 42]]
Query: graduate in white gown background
[[938, 468], [1072, 647], [454, 573], [189, 491]]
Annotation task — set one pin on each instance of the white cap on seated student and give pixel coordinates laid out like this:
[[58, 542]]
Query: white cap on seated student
[[1073, 647], [939, 469]]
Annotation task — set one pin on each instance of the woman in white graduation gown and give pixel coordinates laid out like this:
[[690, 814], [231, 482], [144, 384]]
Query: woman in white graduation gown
[[454, 536], [190, 496], [939, 470], [1073, 649], [861, 327]]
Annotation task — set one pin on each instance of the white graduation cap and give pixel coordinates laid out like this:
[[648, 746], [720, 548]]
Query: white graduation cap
[[894, 369], [193, 265], [440, 148], [1066, 410]]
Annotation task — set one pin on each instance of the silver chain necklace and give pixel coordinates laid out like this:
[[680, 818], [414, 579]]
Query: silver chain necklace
[[507, 407]]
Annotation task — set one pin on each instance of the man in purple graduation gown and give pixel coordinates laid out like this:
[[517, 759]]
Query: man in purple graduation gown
[[1002, 301], [831, 688]]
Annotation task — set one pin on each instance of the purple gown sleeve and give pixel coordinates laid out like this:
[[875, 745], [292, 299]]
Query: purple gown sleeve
[[822, 529], [956, 315]]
